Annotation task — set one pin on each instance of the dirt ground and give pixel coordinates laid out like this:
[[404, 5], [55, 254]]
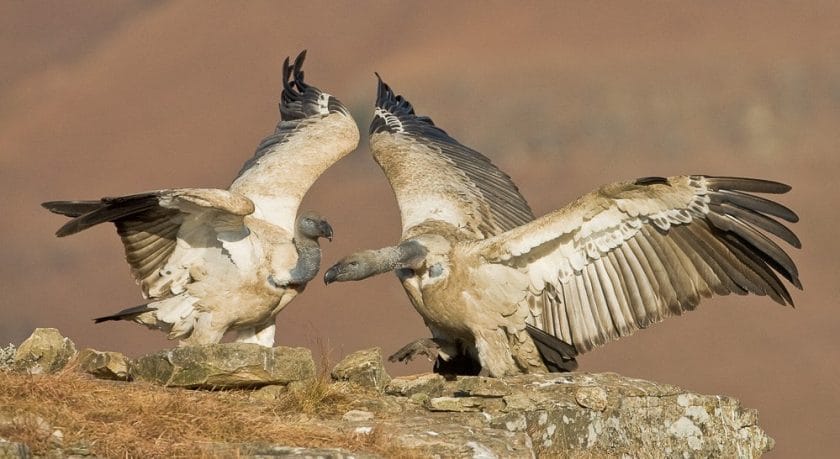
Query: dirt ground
[[121, 97]]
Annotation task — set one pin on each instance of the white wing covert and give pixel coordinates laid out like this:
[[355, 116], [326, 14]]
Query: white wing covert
[[633, 253]]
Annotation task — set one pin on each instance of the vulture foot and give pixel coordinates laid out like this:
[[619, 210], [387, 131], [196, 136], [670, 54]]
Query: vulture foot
[[423, 346]]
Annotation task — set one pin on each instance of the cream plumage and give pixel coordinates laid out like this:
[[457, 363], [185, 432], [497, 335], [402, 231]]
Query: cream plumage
[[616, 260], [212, 260]]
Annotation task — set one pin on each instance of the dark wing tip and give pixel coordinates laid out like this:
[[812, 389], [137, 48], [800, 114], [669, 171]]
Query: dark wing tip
[[301, 100], [394, 113]]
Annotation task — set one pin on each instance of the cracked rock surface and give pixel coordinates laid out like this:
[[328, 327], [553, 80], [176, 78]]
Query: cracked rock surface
[[571, 415], [226, 365]]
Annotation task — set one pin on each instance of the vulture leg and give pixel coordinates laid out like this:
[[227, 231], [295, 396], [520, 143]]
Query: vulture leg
[[458, 365], [262, 335], [436, 349]]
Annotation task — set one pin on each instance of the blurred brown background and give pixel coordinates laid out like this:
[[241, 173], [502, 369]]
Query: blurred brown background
[[109, 98]]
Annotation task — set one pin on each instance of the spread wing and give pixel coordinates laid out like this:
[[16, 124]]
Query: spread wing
[[315, 131], [633, 253], [152, 226], [436, 178]]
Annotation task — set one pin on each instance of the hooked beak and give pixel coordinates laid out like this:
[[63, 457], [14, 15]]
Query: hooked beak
[[326, 230], [331, 275]]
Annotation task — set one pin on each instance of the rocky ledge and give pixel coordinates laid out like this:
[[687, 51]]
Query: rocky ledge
[[560, 414]]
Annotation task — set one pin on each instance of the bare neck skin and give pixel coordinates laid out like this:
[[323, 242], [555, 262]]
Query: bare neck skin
[[409, 254], [309, 259]]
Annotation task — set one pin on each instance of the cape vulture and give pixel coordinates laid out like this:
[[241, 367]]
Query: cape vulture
[[520, 296], [212, 260]]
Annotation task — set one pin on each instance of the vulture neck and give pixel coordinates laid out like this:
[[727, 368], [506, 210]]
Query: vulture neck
[[409, 254], [309, 259]]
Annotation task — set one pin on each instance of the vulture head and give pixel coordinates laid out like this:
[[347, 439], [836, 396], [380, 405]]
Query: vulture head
[[357, 266], [312, 226], [361, 265]]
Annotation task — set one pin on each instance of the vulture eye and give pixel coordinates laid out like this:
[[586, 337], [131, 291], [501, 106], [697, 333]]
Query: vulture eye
[[353, 264]]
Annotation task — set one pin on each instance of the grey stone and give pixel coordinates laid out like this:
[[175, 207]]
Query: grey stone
[[269, 393], [45, 351], [226, 365], [7, 357], [430, 384], [13, 450], [592, 397], [364, 368], [104, 365], [457, 404], [480, 386], [357, 416]]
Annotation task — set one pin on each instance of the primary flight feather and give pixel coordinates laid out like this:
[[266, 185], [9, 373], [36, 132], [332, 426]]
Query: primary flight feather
[[521, 295], [212, 260]]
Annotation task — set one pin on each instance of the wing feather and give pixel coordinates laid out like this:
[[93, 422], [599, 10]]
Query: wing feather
[[436, 178], [631, 254], [150, 224], [315, 130]]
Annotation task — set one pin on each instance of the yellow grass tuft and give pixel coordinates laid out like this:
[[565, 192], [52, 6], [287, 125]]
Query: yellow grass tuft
[[143, 420]]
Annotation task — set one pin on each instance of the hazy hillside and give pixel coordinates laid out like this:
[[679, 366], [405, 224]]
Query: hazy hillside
[[123, 97]]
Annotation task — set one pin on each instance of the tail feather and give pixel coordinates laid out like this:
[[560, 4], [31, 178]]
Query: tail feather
[[557, 355], [126, 314]]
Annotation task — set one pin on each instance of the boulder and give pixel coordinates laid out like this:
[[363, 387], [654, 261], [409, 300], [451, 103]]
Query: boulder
[[226, 365], [430, 384], [573, 415], [365, 368], [45, 351], [7, 357], [104, 365], [13, 450]]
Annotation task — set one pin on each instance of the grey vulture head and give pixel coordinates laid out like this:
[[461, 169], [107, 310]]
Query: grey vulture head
[[311, 225], [212, 260], [520, 295]]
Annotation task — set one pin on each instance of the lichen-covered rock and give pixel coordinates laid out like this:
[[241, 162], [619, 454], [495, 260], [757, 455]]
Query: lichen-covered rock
[[577, 415], [357, 416], [364, 368], [7, 356], [268, 393], [104, 365], [45, 351], [226, 365], [430, 384], [13, 450], [456, 404]]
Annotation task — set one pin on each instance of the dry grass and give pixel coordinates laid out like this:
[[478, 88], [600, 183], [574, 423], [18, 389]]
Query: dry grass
[[142, 420]]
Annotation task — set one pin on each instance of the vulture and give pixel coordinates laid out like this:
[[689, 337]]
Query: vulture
[[212, 260], [520, 295]]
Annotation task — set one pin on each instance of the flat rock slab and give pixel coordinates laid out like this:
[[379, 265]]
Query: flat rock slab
[[226, 365], [104, 365], [365, 368]]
